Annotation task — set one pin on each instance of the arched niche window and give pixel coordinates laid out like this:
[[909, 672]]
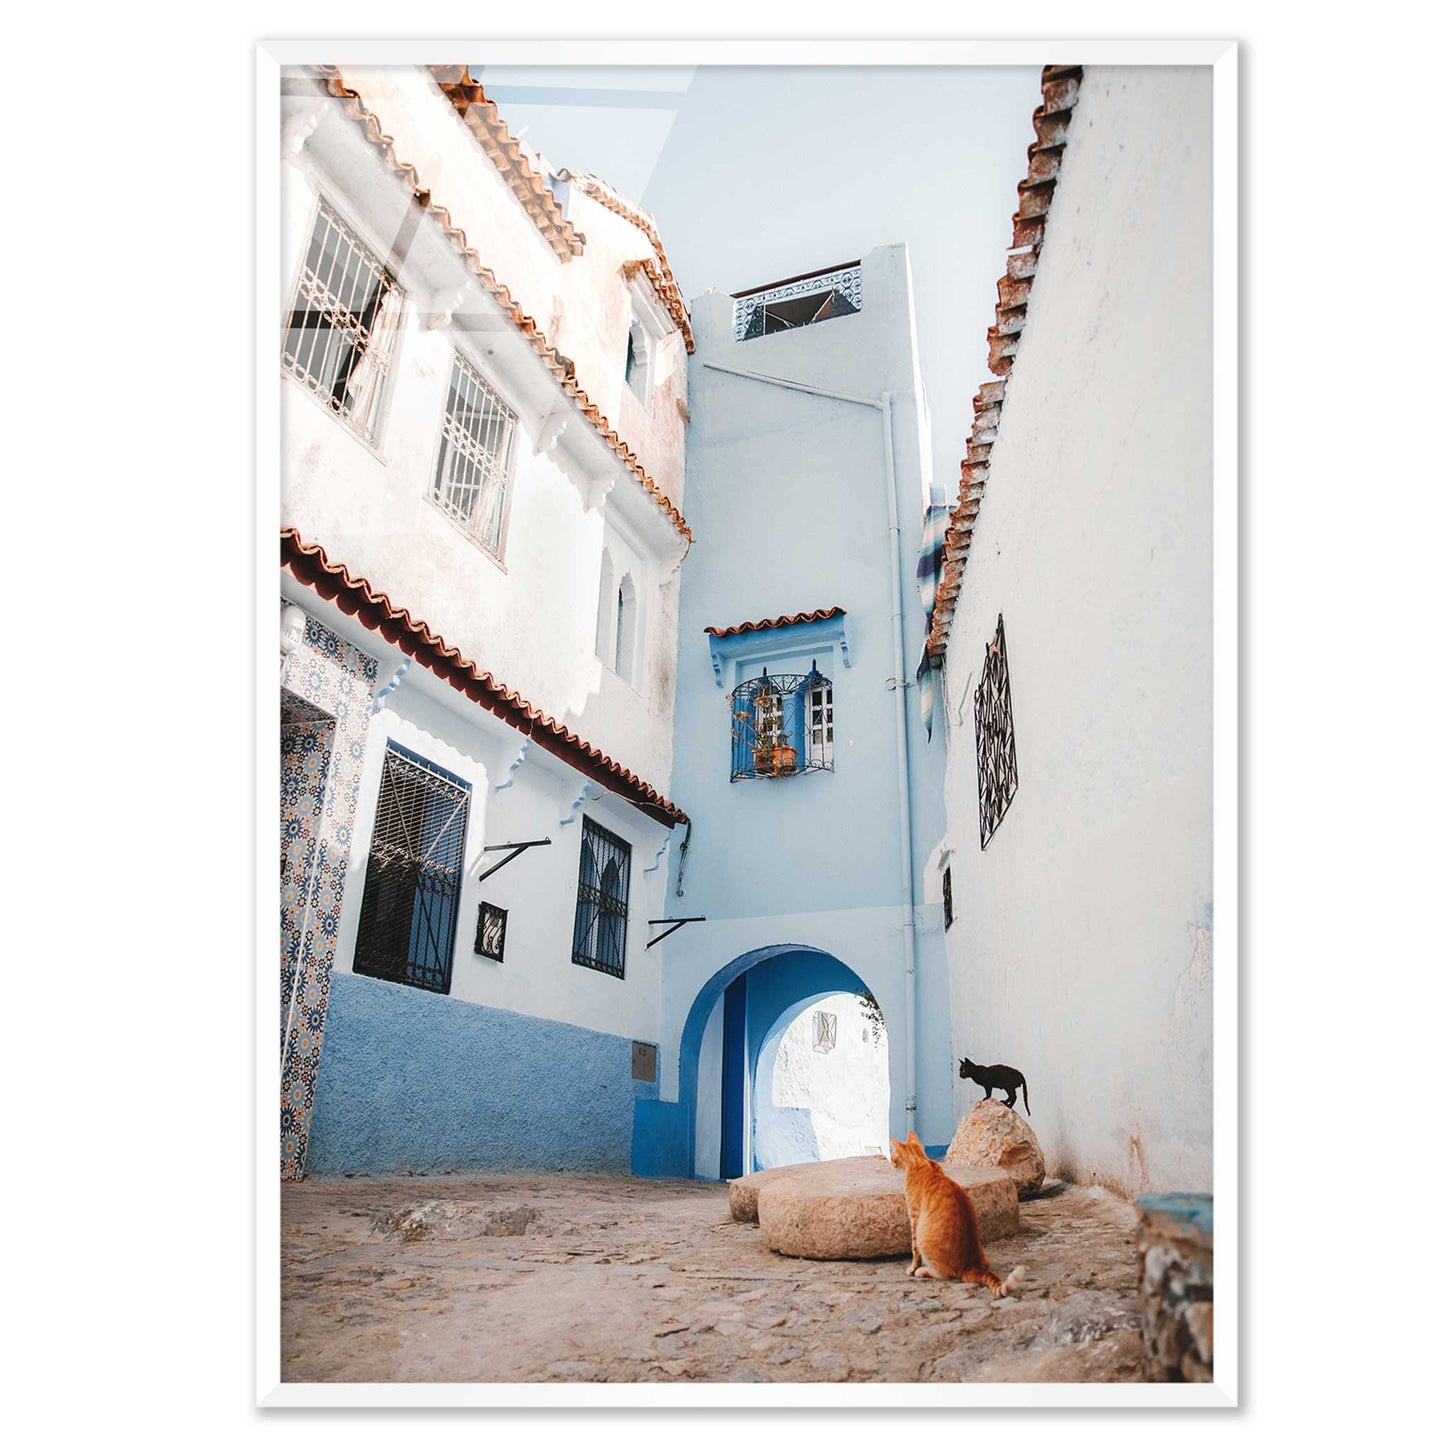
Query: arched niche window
[[606, 611], [638, 368], [624, 660]]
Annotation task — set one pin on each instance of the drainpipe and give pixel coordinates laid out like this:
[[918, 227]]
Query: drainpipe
[[897, 683]]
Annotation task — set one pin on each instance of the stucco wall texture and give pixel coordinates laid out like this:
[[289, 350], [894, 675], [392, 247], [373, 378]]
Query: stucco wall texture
[[812, 1103], [1082, 951], [417, 1082]]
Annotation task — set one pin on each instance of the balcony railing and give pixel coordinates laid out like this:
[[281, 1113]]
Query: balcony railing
[[799, 301]]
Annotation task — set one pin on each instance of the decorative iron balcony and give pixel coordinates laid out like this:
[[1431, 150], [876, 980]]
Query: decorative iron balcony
[[798, 301], [782, 725]]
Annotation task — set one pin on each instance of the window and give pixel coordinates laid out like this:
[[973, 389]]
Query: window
[[825, 1031], [599, 931], [624, 656], [474, 459], [782, 724], [622, 586], [341, 331], [820, 724], [947, 899], [638, 369], [408, 924], [993, 723], [799, 301]]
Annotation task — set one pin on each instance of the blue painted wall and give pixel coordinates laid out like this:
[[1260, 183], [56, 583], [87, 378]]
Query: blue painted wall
[[418, 1082], [787, 492]]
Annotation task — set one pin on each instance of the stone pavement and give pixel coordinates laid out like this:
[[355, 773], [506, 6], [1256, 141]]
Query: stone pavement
[[597, 1278]]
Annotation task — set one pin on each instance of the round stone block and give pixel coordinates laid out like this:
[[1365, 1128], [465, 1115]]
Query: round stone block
[[855, 1209], [743, 1193]]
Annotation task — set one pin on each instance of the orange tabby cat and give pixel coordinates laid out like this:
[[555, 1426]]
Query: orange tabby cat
[[942, 1227]]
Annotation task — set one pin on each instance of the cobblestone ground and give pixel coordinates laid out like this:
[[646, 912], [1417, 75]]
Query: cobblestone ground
[[652, 1280]]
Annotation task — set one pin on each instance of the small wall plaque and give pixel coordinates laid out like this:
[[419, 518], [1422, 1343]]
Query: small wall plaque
[[491, 931], [644, 1062]]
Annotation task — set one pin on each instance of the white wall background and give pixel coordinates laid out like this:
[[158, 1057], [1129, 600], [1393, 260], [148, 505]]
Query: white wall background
[[1082, 950], [810, 1104]]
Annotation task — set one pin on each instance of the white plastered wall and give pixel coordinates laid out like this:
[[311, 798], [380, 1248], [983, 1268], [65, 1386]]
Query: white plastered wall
[[1082, 947]]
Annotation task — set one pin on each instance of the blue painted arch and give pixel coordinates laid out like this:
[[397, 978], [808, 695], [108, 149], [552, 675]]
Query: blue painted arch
[[781, 978]]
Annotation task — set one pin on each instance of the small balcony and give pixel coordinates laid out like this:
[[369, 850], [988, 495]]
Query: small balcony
[[798, 301]]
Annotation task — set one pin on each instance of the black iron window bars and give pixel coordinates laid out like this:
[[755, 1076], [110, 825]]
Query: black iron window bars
[[782, 725], [599, 930], [407, 929]]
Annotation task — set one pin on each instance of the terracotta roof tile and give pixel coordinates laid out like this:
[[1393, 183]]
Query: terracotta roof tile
[[820, 615], [660, 274], [560, 367], [480, 116], [357, 598], [1060, 86]]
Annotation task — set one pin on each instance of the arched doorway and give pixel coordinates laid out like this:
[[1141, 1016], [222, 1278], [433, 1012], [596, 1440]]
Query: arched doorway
[[735, 1031], [820, 1089]]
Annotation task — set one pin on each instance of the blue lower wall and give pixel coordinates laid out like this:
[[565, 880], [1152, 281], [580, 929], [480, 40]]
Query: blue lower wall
[[417, 1082]]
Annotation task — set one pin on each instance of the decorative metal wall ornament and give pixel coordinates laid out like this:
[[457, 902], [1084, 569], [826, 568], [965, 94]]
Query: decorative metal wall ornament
[[782, 725], [993, 724], [799, 302], [491, 931]]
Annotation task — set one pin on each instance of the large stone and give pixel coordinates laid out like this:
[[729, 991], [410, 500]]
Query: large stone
[[743, 1193], [1176, 1285], [855, 1209], [993, 1136]]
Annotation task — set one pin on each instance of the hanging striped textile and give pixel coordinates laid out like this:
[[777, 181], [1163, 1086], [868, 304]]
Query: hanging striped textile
[[930, 569]]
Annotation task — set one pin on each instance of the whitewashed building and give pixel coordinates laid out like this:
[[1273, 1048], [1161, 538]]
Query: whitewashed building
[[483, 409], [1074, 624]]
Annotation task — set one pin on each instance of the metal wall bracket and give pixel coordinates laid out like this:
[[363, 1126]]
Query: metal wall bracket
[[676, 924], [517, 848]]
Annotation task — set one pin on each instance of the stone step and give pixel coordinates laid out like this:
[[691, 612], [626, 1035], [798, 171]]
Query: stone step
[[855, 1209]]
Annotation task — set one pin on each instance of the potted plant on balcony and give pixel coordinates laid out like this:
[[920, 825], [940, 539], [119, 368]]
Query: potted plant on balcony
[[773, 755]]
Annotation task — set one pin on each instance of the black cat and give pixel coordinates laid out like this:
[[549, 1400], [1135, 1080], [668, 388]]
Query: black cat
[[996, 1076]]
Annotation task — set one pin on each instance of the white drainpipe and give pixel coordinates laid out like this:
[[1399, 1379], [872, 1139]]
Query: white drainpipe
[[897, 683]]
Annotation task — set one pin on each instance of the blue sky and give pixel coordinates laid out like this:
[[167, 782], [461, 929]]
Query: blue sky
[[760, 172]]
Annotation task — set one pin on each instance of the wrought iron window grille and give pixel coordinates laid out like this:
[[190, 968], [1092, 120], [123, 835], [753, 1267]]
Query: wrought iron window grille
[[825, 1031], [993, 723], [782, 725], [491, 931], [475, 456], [407, 929], [599, 929], [342, 327], [801, 301], [947, 899]]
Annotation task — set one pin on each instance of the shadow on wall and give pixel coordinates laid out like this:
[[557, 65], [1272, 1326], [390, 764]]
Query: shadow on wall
[[787, 1137]]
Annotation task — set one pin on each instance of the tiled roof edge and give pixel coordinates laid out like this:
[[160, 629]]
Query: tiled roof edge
[[356, 597], [560, 367], [1060, 85], [481, 118], [822, 614], [665, 283]]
